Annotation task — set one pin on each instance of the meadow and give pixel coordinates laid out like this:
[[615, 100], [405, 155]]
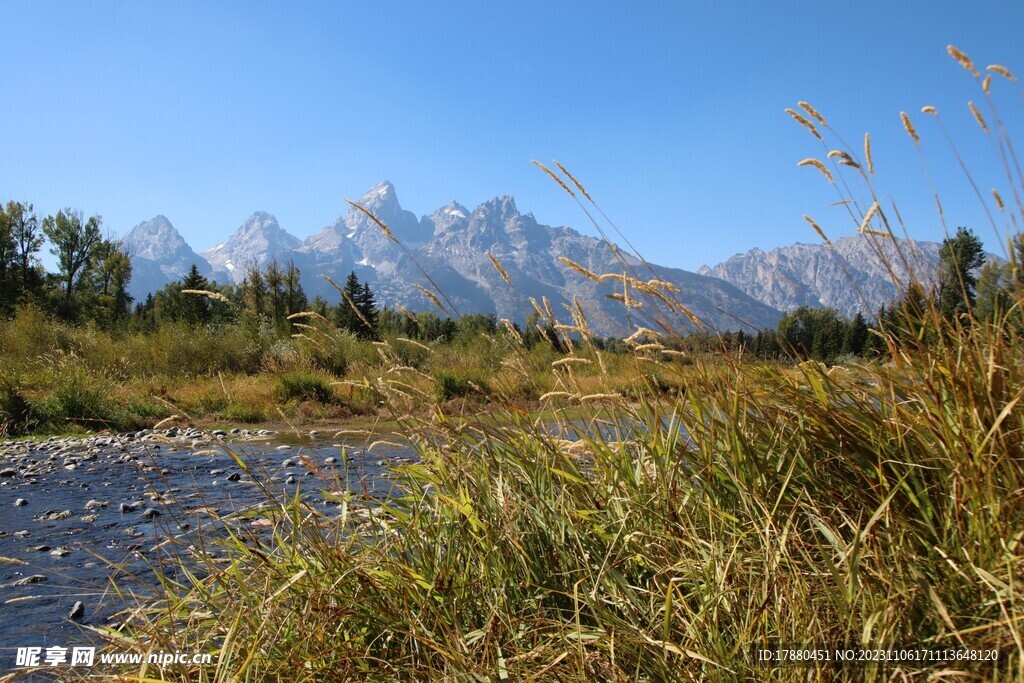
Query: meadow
[[694, 508]]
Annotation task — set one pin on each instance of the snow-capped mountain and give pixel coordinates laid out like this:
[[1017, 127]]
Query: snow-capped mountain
[[159, 255], [451, 246], [256, 241]]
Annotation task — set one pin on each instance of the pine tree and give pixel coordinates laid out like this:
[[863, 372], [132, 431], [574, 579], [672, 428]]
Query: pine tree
[[959, 256]]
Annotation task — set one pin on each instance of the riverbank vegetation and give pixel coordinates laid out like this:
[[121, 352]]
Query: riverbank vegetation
[[669, 529]]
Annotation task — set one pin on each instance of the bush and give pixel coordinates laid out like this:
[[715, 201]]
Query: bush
[[304, 386], [16, 414]]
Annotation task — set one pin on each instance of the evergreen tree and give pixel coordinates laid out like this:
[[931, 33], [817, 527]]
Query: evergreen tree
[[294, 297], [194, 309], [855, 336], [367, 306], [959, 256], [346, 316]]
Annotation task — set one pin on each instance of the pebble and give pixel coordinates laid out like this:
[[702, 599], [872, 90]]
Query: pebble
[[62, 551], [8, 472], [96, 505], [234, 476], [150, 513], [21, 501], [214, 473], [279, 448], [77, 611]]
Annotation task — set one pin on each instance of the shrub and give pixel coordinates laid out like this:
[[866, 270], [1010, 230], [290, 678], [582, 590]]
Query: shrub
[[304, 386]]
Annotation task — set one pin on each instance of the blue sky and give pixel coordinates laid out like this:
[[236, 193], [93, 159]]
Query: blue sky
[[671, 113]]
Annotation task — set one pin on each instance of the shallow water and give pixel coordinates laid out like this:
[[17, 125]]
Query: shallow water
[[174, 479]]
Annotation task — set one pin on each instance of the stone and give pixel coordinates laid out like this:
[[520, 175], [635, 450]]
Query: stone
[[29, 580], [150, 513], [234, 476], [21, 501], [96, 505]]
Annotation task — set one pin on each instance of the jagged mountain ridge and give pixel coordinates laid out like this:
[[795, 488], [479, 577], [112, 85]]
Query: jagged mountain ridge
[[452, 246], [159, 255], [851, 277]]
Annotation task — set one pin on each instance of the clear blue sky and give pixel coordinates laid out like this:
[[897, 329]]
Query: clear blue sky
[[671, 113]]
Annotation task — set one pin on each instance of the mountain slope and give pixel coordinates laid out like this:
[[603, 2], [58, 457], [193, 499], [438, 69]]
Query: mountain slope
[[451, 246], [159, 255], [850, 277], [256, 241]]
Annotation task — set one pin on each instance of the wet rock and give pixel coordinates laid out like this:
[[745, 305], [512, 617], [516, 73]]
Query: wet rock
[[62, 551], [89, 519], [21, 501], [214, 473], [234, 476], [290, 462], [150, 513], [96, 505], [24, 533], [330, 460], [77, 611], [29, 580], [41, 548], [53, 515], [8, 472], [124, 507]]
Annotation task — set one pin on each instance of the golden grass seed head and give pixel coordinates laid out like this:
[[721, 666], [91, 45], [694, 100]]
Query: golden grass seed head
[[929, 110], [216, 296], [977, 116], [999, 200], [579, 269], [805, 123], [959, 56], [868, 216], [813, 112], [909, 127], [867, 153], [579, 186], [818, 165], [500, 268], [553, 176], [1002, 71], [986, 85], [817, 229], [843, 157]]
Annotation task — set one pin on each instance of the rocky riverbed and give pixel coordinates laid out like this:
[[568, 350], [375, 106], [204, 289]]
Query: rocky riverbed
[[77, 512]]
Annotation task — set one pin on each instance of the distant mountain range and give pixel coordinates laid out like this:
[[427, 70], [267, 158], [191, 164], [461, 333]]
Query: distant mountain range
[[747, 291], [452, 246], [850, 276]]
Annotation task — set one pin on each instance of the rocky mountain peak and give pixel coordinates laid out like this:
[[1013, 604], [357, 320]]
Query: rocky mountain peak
[[153, 239]]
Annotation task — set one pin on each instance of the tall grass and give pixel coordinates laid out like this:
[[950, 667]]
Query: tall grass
[[660, 530]]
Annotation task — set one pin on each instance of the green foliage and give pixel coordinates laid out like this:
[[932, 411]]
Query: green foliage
[[75, 244], [16, 414], [959, 257], [304, 386]]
